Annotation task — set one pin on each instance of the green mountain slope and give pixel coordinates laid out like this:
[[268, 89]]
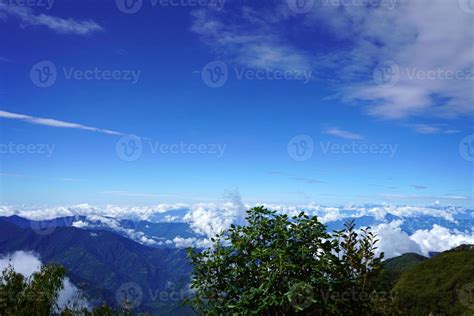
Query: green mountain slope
[[107, 265], [443, 285], [394, 267]]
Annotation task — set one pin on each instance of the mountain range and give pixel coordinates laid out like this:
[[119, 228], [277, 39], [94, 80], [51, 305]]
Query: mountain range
[[109, 268]]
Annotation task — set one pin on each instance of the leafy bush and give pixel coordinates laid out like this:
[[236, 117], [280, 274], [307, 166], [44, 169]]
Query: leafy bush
[[277, 265]]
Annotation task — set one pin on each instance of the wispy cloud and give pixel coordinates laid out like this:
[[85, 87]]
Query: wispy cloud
[[430, 129], [426, 129], [11, 175], [306, 180], [71, 180], [35, 177], [55, 123], [419, 187], [248, 37], [335, 131], [295, 178], [140, 194], [367, 36], [4, 59], [59, 25], [421, 80]]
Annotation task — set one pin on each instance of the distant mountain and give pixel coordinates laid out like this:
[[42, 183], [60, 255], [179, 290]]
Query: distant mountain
[[409, 224], [160, 234], [394, 267], [108, 267], [28, 223], [442, 285]]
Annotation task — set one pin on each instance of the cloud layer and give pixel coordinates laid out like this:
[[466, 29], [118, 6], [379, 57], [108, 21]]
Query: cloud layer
[[400, 228]]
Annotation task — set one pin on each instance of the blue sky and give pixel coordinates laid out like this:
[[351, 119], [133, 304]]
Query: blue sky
[[334, 104]]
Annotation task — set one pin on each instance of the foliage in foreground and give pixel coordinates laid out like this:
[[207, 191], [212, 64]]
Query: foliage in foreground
[[36, 295], [277, 265]]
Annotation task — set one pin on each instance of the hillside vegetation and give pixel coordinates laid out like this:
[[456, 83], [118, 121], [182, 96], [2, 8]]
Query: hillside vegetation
[[442, 285]]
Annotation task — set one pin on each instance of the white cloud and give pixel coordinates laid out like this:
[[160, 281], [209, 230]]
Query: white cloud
[[210, 219], [23, 262], [440, 239], [431, 129], [5, 60], [408, 36], [64, 26], [113, 223], [334, 131], [180, 242], [27, 263], [426, 129], [393, 241], [54, 123], [362, 37], [248, 37]]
